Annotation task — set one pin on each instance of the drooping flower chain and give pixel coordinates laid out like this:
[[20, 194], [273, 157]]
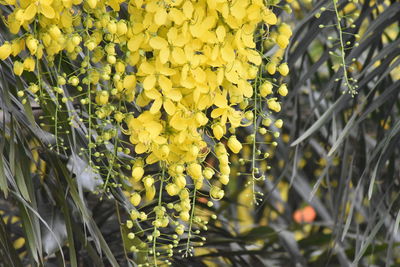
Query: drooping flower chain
[[165, 83]]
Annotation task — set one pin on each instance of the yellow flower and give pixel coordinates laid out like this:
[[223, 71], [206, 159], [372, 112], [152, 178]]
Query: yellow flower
[[39, 6], [225, 111]]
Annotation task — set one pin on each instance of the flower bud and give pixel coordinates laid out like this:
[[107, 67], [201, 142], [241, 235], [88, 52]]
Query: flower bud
[[283, 69], [208, 173], [194, 170], [271, 68], [224, 179], [234, 145], [29, 64], [172, 189], [283, 91], [135, 199], [218, 131], [18, 68], [278, 123]]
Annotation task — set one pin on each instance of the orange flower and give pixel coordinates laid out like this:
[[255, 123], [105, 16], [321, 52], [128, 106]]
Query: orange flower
[[305, 215]]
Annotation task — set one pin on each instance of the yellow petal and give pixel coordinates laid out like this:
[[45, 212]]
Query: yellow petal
[[140, 148], [165, 83], [47, 11], [149, 82], [178, 55], [220, 101], [153, 94], [129, 82], [135, 42], [254, 57], [156, 106], [221, 33], [164, 55], [158, 42], [269, 17], [30, 12], [174, 94], [160, 17], [217, 112], [227, 53], [169, 107]]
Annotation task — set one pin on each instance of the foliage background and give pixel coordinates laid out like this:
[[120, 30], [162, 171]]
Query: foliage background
[[338, 153]]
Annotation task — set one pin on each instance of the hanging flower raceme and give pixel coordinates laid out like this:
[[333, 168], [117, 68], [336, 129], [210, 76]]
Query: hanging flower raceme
[[163, 89]]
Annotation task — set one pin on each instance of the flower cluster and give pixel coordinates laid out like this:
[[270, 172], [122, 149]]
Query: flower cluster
[[165, 83]]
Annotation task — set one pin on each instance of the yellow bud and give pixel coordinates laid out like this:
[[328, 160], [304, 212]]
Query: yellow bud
[[220, 149], [283, 69], [218, 131], [194, 150], [121, 27], [223, 159], [172, 189], [234, 145], [34, 88], [148, 181], [266, 89], [32, 44], [129, 224], [194, 170], [208, 173], [282, 41], [180, 181], [273, 105], [120, 67], [118, 116], [164, 151], [285, 30], [135, 199], [179, 169], [61, 80], [29, 64], [283, 91], [137, 173], [92, 3], [134, 214], [278, 123], [5, 50], [55, 32], [111, 59], [18, 68], [225, 169], [201, 118], [216, 192], [74, 81], [102, 97], [180, 230], [184, 215], [266, 122], [271, 68], [112, 27], [131, 236], [224, 179]]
